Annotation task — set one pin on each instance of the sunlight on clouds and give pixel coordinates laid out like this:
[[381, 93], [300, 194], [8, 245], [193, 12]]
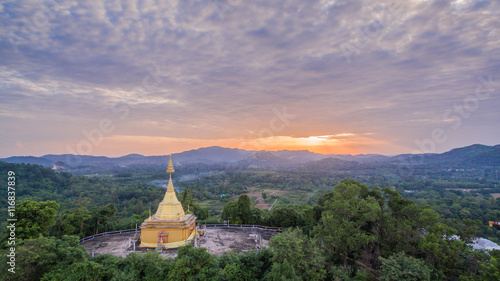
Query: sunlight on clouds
[[344, 143], [462, 4], [13, 79], [221, 70], [139, 97]]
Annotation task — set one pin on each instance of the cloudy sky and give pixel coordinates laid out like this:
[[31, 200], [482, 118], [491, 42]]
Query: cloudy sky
[[157, 77]]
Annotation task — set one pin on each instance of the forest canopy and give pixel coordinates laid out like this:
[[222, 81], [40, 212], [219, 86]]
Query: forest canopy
[[351, 232]]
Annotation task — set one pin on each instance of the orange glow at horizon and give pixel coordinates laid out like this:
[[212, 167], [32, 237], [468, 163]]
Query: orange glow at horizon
[[344, 143], [120, 145]]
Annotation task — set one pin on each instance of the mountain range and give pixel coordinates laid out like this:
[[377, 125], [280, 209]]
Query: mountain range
[[464, 157]]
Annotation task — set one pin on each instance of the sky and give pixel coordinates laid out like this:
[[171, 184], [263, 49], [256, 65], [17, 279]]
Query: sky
[[157, 77]]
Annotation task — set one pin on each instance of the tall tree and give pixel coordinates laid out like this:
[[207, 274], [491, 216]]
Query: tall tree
[[402, 267], [348, 221], [37, 257], [101, 216], [193, 264], [239, 211], [292, 249], [35, 218], [244, 206], [287, 216], [230, 211]]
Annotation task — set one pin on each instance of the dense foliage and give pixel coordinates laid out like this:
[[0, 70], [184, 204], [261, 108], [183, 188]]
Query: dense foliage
[[345, 231], [87, 205], [462, 206]]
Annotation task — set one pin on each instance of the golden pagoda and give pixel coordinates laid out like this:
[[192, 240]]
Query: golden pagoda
[[170, 227]]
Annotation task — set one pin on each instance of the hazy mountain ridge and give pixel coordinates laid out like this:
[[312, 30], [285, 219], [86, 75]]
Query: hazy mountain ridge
[[28, 160], [362, 158], [330, 163], [262, 160], [474, 155]]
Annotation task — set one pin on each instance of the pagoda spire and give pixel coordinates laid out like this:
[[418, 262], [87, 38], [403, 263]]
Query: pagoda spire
[[170, 187], [170, 168], [170, 207]]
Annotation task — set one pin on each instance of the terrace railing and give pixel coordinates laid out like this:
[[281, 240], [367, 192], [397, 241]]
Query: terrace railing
[[236, 226]]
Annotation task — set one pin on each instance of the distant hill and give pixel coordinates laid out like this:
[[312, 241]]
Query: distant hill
[[262, 160], [362, 158], [488, 158], [298, 156], [476, 154], [469, 156], [213, 154], [28, 160], [330, 163]]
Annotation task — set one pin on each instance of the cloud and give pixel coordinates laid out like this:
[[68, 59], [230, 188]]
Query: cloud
[[220, 67]]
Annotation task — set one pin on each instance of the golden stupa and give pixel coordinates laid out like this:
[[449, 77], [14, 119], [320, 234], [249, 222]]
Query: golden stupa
[[170, 227]]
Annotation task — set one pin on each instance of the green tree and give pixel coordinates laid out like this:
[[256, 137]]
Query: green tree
[[149, 266], [244, 206], [486, 267], [35, 218], [73, 221], [348, 221], [239, 211], [403, 223], [233, 272], [81, 271], [441, 249], [189, 203], [101, 216], [230, 211], [37, 257], [402, 267], [282, 271], [286, 216], [491, 270], [200, 212], [187, 198], [293, 249], [256, 215], [245, 266], [193, 264]]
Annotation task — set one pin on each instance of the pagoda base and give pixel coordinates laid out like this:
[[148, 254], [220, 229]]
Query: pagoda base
[[169, 245], [170, 233]]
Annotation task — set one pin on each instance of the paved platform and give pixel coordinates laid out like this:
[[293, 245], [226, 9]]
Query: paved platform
[[216, 240]]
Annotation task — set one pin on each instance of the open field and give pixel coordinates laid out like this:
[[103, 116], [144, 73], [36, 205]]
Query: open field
[[255, 195], [212, 204], [262, 204]]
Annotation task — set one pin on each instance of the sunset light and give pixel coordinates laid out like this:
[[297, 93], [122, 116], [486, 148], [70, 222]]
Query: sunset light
[[250, 140], [162, 77]]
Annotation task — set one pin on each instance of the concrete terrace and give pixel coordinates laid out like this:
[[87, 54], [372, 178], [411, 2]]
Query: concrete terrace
[[217, 240]]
